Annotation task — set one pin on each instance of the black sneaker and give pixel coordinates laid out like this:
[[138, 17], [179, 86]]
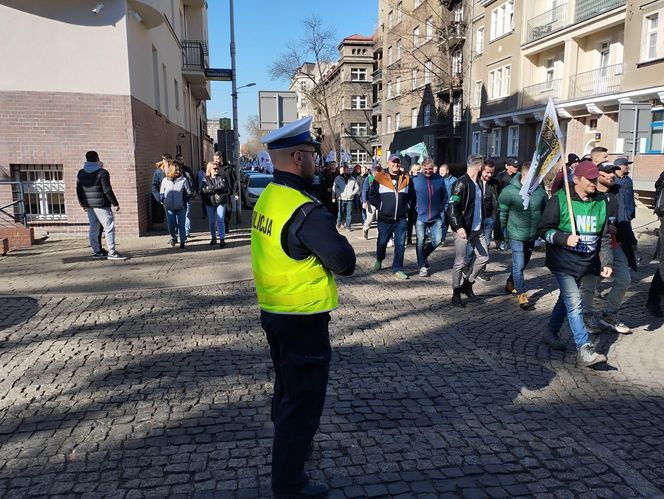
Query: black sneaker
[[116, 256], [213, 242], [483, 276], [98, 256], [103, 252], [172, 242], [222, 243]]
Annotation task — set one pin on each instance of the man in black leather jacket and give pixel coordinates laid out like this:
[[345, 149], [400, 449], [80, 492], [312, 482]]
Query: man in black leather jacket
[[465, 213], [95, 195]]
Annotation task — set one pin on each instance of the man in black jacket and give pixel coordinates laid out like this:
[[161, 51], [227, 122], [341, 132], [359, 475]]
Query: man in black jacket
[[228, 170], [465, 213], [95, 195]]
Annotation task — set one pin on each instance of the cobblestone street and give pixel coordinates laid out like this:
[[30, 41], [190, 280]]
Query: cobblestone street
[[152, 378]]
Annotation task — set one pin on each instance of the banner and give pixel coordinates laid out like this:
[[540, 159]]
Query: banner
[[418, 150], [265, 161], [547, 153], [331, 156]]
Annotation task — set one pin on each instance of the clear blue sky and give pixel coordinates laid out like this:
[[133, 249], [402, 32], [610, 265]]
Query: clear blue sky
[[262, 30]]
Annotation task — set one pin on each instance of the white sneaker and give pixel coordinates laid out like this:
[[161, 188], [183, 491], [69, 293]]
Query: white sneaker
[[424, 272], [390, 243], [588, 356], [611, 321]]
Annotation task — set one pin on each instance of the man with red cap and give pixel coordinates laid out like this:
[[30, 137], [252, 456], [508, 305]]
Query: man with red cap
[[572, 257]]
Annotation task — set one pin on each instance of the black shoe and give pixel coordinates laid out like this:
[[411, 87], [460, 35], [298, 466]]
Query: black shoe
[[181, 246], [456, 298], [483, 276], [213, 242], [509, 286], [311, 489], [103, 252], [467, 289], [222, 243]]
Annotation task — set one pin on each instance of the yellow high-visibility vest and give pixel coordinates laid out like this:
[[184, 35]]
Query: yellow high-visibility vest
[[285, 285]]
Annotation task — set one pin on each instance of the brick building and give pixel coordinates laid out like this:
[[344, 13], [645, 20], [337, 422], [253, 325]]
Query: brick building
[[127, 81]]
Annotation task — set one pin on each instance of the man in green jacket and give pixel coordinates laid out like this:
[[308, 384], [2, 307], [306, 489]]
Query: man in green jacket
[[520, 226]]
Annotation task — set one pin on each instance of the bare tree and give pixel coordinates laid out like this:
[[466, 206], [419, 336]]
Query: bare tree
[[317, 44]]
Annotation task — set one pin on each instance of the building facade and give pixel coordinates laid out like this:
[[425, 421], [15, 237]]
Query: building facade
[[127, 80], [420, 68], [601, 61]]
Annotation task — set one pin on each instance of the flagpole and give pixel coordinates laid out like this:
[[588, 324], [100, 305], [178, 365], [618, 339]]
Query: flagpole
[[572, 221]]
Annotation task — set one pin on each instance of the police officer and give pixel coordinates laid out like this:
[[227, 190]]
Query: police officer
[[295, 248]]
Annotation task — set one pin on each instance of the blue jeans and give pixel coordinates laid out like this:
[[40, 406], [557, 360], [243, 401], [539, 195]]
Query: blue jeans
[[423, 251], [187, 221], [569, 304], [385, 232], [346, 206], [521, 253], [103, 217], [215, 216], [176, 219]]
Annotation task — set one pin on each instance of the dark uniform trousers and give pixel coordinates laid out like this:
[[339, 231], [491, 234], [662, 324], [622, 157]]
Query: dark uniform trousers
[[301, 352]]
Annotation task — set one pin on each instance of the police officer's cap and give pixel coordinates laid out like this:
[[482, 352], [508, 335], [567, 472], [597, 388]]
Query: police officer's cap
[[291, 135]]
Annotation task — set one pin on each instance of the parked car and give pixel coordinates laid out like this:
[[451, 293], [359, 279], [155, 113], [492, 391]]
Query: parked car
[[255, 185], [244, 177]]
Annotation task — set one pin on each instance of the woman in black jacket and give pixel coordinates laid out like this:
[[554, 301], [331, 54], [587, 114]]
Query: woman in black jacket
[[215, 193]]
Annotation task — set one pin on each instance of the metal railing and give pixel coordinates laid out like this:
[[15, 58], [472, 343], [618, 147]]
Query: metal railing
[[547, 22], [454, 30], [194, 55], [377, 76], [534, 95], [599, 81], [19, 215], [376, 108], [585, 9]]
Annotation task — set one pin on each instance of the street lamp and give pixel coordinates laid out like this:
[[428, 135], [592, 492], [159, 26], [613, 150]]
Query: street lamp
[[236, 133]]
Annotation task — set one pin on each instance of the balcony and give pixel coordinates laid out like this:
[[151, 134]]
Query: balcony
[[599, 81], [548, 22], [377, 76], [194, 63], [453, 34], [538, 95], [376, 109], [585, 9]]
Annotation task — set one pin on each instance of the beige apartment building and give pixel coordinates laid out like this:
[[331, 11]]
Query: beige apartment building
[[345, 87], [601, 61], [420, 66], [123, 77]]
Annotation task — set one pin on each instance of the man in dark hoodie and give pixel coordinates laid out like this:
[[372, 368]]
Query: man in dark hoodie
[[95, 195]]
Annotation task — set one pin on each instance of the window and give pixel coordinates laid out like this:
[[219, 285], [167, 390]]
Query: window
[[513, 140], [427, 115], [655, 143], [475, 147], [155, 75], [499, 83], [427, 72], [479, 41], [389, 89], [477, 95], [358, 74], [415, 77], [390, 19], [165, 80], [43, 191], [502, 19], [397, 121], [494, 142], [389, 55], [550, 72], [176, 94], [187, 124], [416, 36], [358, 129], [358, 156], [457, 62], [398, 85], [416, 3], [650, 46], [389, 124], [458, 12], [358, 102], [399, 12], [429, 28], [413, 117], [457, 112], [398, 56]]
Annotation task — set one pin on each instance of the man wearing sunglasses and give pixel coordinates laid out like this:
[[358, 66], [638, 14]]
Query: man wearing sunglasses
[[295, 249]]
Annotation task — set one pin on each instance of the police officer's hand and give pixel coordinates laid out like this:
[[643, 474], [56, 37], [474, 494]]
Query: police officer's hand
[[461, 233], [117, 208], [572, 240], [334, 200], [84, 208], [606, 272]]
